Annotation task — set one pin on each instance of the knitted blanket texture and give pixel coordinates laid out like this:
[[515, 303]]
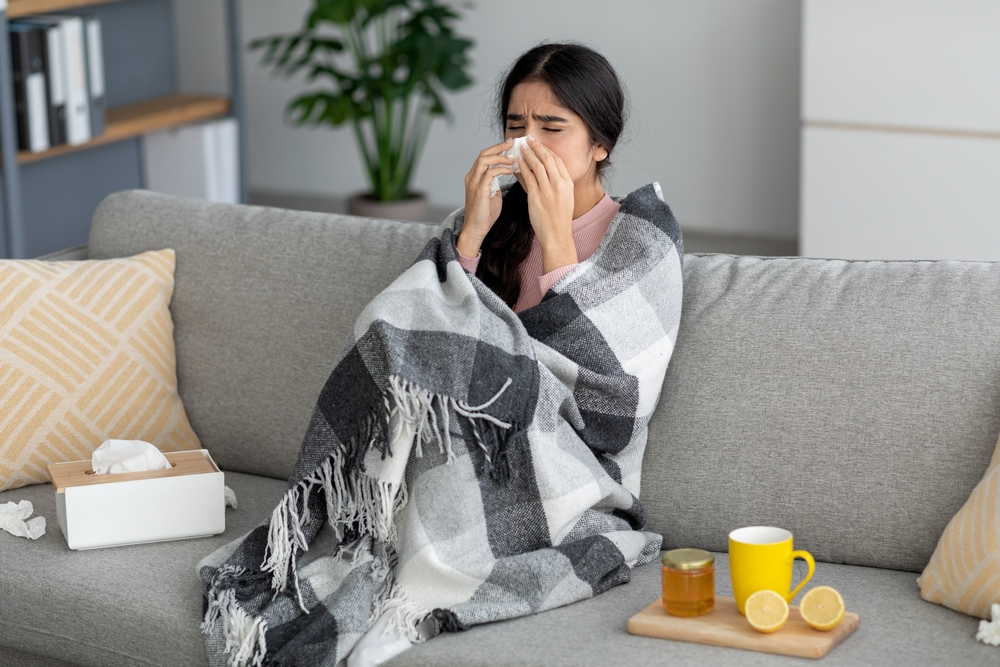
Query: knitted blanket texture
[[464, 464]]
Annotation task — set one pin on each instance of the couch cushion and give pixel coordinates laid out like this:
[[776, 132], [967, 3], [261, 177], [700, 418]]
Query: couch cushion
[[853, 403], [264, 301], [10, 657], [133, 605], [86, 354], [897, 628], [141, 605]]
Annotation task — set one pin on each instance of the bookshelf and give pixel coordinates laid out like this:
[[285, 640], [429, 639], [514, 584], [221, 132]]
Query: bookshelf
[[134, 120], [52, 176], [21, 8]]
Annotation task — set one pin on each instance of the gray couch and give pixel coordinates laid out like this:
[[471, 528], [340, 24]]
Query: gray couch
[[855, 403]]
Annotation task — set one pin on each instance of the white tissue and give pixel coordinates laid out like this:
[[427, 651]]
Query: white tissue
[[230, 497], [116, 456], [12, 519], [989, 631], [514, 152]]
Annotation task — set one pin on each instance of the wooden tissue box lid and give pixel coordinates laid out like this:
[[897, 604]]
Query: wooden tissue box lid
[[81, 473]]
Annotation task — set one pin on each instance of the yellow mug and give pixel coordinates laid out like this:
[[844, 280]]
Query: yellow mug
[[760, 558]]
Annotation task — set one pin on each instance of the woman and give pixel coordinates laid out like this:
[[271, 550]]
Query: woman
[[467, 463], [568, 101]]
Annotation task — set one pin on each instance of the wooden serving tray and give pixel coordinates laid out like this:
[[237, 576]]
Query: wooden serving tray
[[725, 626], [81, 473]]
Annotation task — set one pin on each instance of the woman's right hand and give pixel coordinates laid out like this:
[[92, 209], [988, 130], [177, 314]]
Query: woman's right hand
[[481, 210]]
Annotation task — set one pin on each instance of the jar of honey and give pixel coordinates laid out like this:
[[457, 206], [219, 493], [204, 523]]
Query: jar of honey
[[688, 582]]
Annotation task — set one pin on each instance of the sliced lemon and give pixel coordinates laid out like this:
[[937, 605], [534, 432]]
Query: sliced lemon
[[766, 611], [822, 608]]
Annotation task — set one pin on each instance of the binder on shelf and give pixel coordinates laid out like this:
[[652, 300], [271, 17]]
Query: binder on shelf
[[30, 97], [95, 75], [54, 57], [74, 52], [198, 160]]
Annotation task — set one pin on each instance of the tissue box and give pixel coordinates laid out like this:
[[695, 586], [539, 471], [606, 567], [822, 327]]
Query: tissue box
[[188, 500]]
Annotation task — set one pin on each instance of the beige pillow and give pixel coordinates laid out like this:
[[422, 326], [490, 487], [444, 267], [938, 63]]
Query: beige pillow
[[86, 354], [964, 572]]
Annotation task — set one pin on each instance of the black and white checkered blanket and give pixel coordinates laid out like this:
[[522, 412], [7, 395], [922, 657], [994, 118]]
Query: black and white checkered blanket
[[464, 463]]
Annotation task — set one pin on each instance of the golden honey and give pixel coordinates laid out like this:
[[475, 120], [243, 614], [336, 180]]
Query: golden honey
[[688, 582]]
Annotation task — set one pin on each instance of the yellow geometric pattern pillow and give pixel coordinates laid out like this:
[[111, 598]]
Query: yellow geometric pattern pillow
[[964, 572], [86, 354]]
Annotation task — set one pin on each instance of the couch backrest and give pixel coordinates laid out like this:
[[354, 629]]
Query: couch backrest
[[264, 299], [855, 403]]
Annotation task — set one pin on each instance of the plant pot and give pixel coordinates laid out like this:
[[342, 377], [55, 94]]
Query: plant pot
[[413, 207]]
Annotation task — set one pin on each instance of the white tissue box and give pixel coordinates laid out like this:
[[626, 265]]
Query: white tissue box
[[188, 500]]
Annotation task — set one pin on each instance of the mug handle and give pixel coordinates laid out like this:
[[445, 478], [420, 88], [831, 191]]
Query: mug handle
[[807, 557]]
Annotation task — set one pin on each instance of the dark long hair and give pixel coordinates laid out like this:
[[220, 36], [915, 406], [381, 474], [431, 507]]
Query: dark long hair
[[583, 81]]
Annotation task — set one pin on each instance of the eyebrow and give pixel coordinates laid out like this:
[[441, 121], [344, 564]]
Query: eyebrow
[[543, 119]]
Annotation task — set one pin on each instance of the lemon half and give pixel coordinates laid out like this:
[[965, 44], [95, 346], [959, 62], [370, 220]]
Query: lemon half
[[766, 611], [822, 608]]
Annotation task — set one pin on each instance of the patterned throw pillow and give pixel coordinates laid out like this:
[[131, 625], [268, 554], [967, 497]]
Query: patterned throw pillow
[[86, 354], [964, 572]]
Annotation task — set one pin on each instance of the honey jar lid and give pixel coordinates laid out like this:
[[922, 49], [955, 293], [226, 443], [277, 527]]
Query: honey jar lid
[[687, 559]]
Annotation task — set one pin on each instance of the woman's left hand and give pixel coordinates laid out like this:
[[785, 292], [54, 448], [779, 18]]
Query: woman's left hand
[[550, 204]]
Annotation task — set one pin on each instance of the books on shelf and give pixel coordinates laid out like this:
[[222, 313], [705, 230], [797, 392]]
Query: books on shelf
[[200, 161], [69, 85]]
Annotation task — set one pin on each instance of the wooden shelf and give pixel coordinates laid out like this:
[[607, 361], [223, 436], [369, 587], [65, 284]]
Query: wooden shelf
[[133, 120], [20, 8]]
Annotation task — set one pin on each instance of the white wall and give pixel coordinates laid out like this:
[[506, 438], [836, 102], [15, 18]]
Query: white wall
[[714, 87], [901, 136]]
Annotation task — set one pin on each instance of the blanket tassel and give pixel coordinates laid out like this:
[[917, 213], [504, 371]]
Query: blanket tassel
[[244, 635], [358, 504]]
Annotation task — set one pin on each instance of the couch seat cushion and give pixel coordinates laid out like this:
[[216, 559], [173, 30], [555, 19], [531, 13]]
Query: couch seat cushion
[[141, 605], [897, 628], [133, 605]]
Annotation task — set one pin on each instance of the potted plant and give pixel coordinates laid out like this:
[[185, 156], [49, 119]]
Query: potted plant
[[386, 65]]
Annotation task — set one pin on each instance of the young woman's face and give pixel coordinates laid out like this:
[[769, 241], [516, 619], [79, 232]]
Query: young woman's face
[[533, 110]]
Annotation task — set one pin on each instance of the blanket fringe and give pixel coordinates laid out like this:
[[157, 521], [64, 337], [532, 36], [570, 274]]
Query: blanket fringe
[[406, 614], [244, 634], [358, 504], [416, 406], [285, 538]]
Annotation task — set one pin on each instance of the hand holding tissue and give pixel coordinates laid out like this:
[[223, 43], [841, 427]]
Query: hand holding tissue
[[117, 456], [514, 152]]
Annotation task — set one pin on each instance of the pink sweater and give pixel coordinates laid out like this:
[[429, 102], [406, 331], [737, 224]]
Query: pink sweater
[[588, 232]]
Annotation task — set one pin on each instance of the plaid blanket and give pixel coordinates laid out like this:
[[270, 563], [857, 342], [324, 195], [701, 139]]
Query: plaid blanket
[[464, 464]]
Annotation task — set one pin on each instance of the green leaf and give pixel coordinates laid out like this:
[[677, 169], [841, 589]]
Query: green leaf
[[319, 109], [374, 60]]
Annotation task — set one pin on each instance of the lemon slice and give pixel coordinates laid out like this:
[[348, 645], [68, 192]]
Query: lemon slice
[[766, 611], [822, 608]]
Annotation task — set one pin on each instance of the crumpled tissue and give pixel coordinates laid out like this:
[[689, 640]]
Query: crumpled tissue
[[989, 631], [513, 152], [12, 519], [116, 456], [231, 500]]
